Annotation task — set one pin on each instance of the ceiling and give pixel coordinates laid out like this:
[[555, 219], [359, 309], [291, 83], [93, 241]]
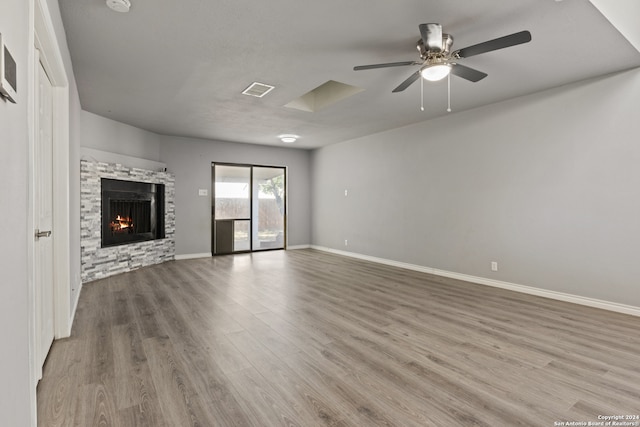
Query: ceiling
[[179, 67]]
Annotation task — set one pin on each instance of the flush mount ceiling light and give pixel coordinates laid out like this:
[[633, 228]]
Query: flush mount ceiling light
[[435, 72], [257, 89], [288, 138], [119, 5]]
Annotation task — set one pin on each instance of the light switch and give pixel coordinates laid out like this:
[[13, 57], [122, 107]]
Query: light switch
[[203, 192]]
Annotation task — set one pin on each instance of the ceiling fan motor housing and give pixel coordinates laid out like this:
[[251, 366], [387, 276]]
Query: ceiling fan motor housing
[[442, 52], [433, 39]]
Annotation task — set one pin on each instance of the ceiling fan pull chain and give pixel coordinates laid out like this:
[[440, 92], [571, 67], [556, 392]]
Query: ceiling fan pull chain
[[449, 93], [421, 94]]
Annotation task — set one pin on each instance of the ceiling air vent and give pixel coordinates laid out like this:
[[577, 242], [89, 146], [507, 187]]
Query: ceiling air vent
[[257, 89]]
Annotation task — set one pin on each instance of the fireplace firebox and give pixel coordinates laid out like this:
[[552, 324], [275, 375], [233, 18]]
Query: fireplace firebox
[[131, 212]]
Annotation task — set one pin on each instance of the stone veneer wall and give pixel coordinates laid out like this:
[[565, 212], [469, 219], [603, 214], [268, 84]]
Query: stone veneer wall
[[98, 262]]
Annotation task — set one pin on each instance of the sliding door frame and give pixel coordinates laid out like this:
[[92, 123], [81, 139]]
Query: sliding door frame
[[251, 203]]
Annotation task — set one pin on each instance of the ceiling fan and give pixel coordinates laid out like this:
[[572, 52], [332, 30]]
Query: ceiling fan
[[437, 60]]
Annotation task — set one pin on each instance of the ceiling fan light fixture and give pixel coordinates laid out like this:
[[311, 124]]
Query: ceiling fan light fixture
[[435, 72]]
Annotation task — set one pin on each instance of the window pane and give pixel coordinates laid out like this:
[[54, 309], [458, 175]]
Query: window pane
[[232, 192]]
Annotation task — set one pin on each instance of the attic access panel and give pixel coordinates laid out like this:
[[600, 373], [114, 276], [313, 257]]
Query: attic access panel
[[323, 96]]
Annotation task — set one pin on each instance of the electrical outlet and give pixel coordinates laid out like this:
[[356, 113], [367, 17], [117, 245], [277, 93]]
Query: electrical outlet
[[346, 242], [494, 266], [346, 193], [203, 192]]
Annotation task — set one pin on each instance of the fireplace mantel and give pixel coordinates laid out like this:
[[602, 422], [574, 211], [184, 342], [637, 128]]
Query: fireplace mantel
[[98, 262]]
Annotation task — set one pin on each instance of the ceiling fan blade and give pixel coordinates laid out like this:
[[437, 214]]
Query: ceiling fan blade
[[386, 65], [495, 44], [405, 84], [467, 73], [431, 36]]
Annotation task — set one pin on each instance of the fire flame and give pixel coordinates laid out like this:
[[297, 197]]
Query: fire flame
[[121, 223]]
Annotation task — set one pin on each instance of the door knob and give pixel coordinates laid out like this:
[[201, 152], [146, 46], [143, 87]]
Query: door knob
[[40, 234]]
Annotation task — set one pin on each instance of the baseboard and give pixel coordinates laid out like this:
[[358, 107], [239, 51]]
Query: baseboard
[[560, 296], [297, 247], [75, 308], [193, 256]]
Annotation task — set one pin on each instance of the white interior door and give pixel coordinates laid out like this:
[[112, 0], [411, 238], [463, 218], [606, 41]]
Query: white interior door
[[43, 210]]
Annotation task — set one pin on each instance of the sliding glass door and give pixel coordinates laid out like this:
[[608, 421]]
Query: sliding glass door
[[268, 208], [249, 208]]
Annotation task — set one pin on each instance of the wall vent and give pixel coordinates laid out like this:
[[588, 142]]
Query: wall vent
[[258, 89]]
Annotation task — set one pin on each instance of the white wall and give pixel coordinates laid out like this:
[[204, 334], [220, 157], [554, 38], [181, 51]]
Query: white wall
[[104, 134], [190, 160], [547, 185], [16, 391], [74, 155], [109, 141], [623, 14]]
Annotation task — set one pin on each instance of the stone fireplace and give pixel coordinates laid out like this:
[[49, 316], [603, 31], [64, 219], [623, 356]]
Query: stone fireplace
[[127, 218]]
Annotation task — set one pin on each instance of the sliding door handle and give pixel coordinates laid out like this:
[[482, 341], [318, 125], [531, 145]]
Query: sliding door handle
[[40, 234]]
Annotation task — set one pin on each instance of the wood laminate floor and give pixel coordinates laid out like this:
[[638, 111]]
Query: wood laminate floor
[[306, 338]]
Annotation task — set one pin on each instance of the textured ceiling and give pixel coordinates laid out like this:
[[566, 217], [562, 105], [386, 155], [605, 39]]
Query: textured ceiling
[[179, 67]]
